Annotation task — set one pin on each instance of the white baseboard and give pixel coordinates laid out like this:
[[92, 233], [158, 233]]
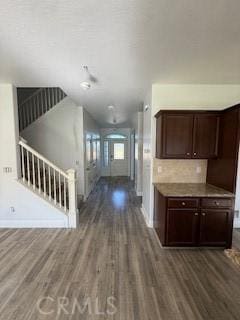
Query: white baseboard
[[149, 223], [33, 224]]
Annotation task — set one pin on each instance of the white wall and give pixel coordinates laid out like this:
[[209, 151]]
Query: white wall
[[132, 156], [29, 209], [191, 97], [138, 127], [124, 131], [148, 150], [92, 170], [58, 135], [206, 97]]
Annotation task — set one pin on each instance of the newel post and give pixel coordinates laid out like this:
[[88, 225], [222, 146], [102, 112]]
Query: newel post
[[73, 210]]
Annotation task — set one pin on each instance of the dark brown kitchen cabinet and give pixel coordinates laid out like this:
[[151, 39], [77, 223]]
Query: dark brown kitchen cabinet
[[187, 135], [205, 136], [214, 227], [182, 227], [177, 135], [193, 221]]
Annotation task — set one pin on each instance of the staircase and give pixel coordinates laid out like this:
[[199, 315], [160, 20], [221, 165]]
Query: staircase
[[38, 104], [50, 182], [38, 173]]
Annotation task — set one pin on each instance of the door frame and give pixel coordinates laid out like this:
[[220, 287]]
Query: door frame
[[105, 171], [111, 156]]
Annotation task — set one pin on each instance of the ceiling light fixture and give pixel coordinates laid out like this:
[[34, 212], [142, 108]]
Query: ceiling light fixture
[[111, 109], [85, 85]]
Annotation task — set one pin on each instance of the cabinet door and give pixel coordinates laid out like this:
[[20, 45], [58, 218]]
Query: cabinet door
[[215, 227], [205, 136], [177, 136], [182, 227]]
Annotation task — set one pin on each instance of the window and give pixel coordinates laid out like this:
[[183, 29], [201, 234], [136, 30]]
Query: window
[[118, 151], [115, 136], [94, 151], [105, 153], [88, 151], [98, 150]]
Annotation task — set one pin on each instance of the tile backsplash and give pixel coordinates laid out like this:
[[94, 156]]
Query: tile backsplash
[[179, 171]]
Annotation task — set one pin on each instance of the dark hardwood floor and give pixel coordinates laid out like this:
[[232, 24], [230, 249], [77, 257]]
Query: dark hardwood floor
[[112, 264]]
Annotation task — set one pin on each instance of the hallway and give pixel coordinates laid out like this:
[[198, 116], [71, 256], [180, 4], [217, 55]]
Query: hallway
[[112, 255]]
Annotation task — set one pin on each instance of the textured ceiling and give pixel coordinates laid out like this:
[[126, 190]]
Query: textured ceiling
[[127, 45]]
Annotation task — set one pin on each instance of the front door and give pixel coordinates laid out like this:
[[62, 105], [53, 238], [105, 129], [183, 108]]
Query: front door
[[118, 157]]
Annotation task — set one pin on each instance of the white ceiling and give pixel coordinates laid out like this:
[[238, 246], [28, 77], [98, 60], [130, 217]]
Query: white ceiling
[[127, 45]]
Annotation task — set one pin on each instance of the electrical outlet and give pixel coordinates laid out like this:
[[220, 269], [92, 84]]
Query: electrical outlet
[[198, 169], [7, 169], [159, 169], [12, 209]]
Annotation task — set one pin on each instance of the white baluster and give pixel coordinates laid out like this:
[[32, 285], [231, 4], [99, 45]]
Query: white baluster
[[54, 185], [33, 172], [23, 163], [28, 168], [65, 194], [60, 190], [39, 176], [44, 179], [49, 183]]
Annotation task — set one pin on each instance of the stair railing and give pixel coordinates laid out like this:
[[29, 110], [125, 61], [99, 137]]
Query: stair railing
[[37, 104], [51, 182]]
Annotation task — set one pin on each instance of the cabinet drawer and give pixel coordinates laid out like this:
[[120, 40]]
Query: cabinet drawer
[[216, 203], [182, 203]]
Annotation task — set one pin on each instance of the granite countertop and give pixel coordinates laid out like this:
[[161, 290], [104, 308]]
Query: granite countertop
[[191, 190]]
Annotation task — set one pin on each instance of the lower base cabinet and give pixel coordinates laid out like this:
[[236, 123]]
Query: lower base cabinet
[[214, 227], [182, 227], [193, 221]]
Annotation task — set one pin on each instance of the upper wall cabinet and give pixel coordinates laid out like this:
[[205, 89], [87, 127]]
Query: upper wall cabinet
[[187, 135], [205, 136]]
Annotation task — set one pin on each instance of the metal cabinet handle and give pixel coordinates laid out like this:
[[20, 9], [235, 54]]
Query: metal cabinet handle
[[188, 153], [196, 214], [216, 203], [183, 203], [203, 213], [194, 153]]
